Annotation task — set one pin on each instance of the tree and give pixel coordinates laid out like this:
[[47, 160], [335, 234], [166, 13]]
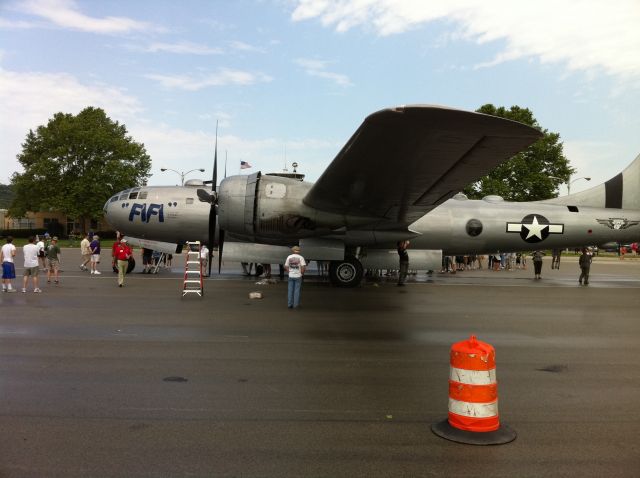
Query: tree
[[75, 163], [531, 175], [6, 196]]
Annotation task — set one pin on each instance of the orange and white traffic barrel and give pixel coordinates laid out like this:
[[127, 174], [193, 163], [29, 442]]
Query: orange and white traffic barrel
[[473, 397]]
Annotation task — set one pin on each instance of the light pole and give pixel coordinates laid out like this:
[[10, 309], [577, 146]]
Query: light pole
[[182, 174], [569, 183]]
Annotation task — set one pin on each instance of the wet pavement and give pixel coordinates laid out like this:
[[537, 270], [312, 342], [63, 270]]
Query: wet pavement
[[101, 381]]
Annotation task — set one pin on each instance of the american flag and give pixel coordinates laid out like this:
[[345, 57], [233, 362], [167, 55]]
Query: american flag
[[244, 165]]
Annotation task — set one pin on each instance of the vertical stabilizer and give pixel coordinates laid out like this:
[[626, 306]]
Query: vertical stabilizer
[[620, 192]]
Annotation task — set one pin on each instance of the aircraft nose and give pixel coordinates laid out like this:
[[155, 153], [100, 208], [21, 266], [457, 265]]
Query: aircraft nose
[[111, 209]]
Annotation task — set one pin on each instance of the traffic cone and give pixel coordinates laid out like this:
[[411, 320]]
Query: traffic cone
[[473, 397]]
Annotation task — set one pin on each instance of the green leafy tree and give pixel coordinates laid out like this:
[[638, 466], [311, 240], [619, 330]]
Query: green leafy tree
[[531, 175], [75, 163], [6, 196]]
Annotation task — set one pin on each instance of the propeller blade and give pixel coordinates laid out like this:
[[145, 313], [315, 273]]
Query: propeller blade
[[212, 231], [220, 245], [215, 163], [213, 215]]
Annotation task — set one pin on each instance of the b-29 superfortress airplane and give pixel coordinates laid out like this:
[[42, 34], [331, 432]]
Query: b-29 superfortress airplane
[[397, 178]]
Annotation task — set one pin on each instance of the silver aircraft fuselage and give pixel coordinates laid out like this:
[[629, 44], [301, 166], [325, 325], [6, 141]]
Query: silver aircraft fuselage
[[269, 210]]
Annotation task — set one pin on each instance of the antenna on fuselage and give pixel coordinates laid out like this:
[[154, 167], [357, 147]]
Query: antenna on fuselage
[[284, 170]]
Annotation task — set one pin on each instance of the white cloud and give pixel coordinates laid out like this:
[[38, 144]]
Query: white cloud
[[585, 35], [599, 160], [318, 68], [183, 47], [66, 14], [222, 77], [174, 148], [15, 24], [28, 100], [242, 46]]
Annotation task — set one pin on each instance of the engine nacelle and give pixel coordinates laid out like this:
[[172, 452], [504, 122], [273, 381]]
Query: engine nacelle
[[263, 208]]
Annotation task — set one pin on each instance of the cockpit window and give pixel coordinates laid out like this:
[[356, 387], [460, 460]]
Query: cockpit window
[[113, 199], [134, 193], [124, 195], [142, 195]]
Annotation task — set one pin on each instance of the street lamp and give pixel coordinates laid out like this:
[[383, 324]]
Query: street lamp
[[182, 174], [569, 183]]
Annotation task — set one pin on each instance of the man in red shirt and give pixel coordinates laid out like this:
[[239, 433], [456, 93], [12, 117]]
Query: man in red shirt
[[122, 254]]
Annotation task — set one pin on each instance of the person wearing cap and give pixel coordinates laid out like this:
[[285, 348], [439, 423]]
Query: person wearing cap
[[122, 254], [95, 254], [114, 259], [295, 266], [53, 260], [585, 265]]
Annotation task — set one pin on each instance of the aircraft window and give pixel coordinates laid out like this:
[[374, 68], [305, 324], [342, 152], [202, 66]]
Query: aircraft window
[[572, 208], [189, 200], [142, 195], [474, 227], [124, 195], [113, 199], [133, 195]]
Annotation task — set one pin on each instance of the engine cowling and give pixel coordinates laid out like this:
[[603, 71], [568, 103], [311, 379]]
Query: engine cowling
[[264, 208]]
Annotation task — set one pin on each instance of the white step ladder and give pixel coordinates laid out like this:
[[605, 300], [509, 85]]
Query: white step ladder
[[193, 270]]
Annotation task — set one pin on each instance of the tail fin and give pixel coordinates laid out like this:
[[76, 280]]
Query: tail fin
[[620, 192]]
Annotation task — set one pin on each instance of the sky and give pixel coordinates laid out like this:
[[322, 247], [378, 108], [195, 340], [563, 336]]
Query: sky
[[291, 80]]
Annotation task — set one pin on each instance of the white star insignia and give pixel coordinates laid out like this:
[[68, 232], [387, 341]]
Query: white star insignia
[[535, 229]]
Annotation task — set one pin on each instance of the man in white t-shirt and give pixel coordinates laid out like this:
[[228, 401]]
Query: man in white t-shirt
[[30, 252], [295, 266], [7, 253], [41, 253]]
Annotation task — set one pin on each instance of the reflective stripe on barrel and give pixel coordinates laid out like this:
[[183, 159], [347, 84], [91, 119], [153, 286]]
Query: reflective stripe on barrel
[[473, 389]]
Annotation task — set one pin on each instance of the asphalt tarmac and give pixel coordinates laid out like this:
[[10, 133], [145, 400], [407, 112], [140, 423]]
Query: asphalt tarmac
[[98, 381]]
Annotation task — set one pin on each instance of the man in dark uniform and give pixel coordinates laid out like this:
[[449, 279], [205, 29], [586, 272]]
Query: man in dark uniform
[[585, 265], [404, 262]]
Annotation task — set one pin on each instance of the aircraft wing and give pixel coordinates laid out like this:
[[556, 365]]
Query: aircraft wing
[[403, 162]]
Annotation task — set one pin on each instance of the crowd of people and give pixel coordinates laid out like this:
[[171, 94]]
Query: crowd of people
[[44, 254]]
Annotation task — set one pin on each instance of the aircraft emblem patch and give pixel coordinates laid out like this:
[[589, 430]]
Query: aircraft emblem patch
[[534, 228], [617, 223]]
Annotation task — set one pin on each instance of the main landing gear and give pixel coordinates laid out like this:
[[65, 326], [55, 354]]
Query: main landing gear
[[346, 273]]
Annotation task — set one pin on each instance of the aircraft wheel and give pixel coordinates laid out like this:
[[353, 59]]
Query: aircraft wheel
[[347, 273], [259, 270], [130, 267]]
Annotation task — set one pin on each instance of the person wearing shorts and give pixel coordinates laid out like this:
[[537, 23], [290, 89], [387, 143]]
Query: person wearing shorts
[[7, 255], [53, 260], [95, 254], [31, 269]]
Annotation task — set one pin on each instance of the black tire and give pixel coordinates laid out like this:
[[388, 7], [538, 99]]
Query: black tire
[[346, 273], [259, 270], [130, 267]]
